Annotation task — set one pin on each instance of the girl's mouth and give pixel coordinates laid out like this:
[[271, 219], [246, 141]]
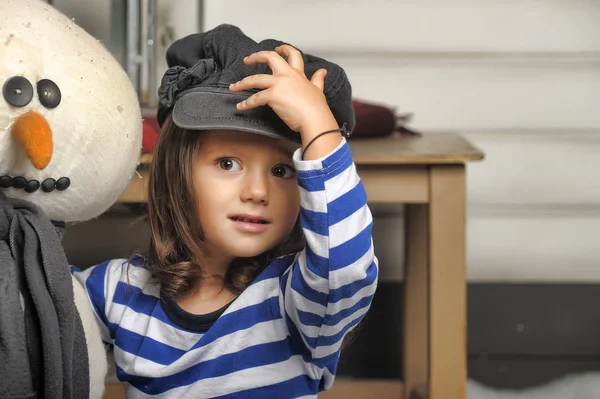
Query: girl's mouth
[[249, 219], [250, 224]]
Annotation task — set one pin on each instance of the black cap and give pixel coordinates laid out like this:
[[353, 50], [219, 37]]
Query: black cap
[[195, 88]]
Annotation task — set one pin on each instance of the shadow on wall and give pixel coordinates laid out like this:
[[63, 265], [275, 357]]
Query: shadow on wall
[[119, 233], [520, 335]]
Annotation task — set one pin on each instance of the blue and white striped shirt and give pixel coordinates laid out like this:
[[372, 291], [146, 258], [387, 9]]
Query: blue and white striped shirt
[[281, 337]]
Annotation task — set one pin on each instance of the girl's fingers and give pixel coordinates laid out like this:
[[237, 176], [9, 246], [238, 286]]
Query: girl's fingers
[[294, 57], [274, 60], [259, 99], [318, 79], [261, 81]]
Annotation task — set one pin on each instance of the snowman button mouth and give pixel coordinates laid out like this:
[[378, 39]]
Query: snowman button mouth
[[47, 185]]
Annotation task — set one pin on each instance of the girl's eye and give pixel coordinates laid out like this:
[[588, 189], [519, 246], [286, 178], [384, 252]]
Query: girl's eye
[[283, 171], [229, 164]]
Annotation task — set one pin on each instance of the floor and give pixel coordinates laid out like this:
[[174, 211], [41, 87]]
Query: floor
[[580, 386], [577, 386], [343, 389]]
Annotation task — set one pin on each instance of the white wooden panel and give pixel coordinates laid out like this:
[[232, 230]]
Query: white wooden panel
[[174, 20], [527, 70], [513, 248], [424, 25], [484, 95], [536, 167], [534, 249]]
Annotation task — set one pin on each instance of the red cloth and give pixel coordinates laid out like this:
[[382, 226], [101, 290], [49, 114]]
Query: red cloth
[[149, 134], [375, 120]]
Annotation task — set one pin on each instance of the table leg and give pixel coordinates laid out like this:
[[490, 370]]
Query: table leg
[[447, 283], [416, 297]]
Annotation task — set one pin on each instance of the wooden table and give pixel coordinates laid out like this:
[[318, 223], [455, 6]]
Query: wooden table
[[428, 175]]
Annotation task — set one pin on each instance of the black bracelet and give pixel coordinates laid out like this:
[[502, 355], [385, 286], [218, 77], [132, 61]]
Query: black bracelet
[[342, 130]]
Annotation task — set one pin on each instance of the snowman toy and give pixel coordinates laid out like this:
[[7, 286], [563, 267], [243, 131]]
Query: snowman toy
[[70, 141]]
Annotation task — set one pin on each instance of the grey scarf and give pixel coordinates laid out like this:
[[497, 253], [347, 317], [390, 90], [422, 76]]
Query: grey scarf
[[43, 350]]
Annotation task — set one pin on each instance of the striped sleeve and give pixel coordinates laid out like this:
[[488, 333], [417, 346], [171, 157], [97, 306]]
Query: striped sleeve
[[330, 286], [105, 284]]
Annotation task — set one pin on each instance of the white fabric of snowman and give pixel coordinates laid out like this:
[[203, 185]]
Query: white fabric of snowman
[[70, 129]]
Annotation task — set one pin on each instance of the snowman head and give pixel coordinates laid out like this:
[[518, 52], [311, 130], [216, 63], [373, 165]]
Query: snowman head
[[70, 121]]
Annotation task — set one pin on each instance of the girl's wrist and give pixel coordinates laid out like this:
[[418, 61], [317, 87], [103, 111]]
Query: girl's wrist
[[317, 124], [323, 145]]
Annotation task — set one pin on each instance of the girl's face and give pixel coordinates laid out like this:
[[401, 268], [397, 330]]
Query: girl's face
[[247, 192]]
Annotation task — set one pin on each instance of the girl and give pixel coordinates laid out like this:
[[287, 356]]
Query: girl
[[261, 258]]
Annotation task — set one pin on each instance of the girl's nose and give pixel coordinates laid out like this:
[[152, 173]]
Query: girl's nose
[[255, 189]]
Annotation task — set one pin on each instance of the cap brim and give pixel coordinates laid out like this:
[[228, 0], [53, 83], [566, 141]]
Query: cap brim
[[214, 108]]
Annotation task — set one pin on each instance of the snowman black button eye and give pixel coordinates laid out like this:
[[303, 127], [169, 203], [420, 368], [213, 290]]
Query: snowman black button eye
[[17, 91], [49, 93]]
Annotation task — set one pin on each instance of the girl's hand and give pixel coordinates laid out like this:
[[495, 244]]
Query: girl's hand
[[299, 102]]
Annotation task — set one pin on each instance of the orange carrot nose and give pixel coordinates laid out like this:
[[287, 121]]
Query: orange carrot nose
[[32, 132]]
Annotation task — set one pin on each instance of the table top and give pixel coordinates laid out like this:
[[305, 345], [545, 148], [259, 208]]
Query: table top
[[430, 148]]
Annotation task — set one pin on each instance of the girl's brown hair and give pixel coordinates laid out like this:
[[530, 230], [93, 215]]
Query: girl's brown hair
[[176, 240]]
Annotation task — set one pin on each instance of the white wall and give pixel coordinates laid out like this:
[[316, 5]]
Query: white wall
[[174, 19], [521, 79]]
